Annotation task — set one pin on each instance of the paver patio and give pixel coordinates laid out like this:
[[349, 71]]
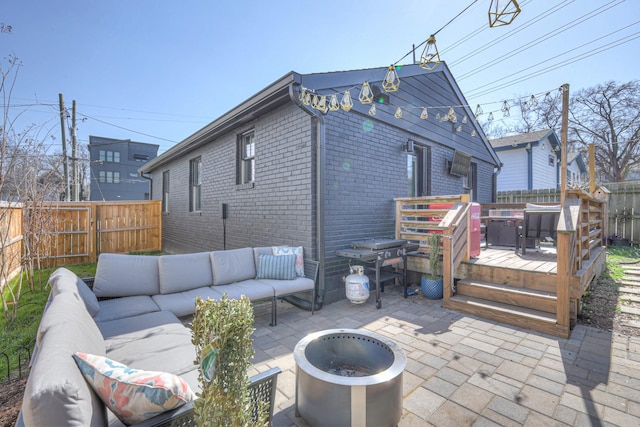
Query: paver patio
[[463, 370]]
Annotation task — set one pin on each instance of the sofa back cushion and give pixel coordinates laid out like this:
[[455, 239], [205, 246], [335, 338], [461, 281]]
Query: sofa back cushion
[[63, 280], [232, 266], [119, 275], [184, 272], [56, 392]]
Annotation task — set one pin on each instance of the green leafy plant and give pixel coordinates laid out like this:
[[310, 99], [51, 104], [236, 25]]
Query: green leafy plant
[[434, 241], [221, 333]]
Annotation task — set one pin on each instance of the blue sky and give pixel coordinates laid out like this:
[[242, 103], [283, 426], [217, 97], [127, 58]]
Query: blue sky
[[157, 71]]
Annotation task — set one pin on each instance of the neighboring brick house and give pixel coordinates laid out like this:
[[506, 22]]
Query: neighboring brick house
[[114, 168], [274, 170]]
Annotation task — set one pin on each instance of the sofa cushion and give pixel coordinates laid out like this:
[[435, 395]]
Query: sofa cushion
[[184, 272], [138, 327], [56, 393], [64, 280], [278, 267], [253, 289], [184, 303], [133, 395], [119, 275], [233, 265], [119, 308], [171, 352], [298, 251], [288, 287]]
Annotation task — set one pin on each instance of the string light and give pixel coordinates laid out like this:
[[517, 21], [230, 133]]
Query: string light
[[307, 98], [424, 115], [479, 111], [372, 110], [366, 95], [398, 114], [430, 57], [533, 101], [334, 105], [346, 103], [451, 115], [490, 118], [391, 81], [505, 109]]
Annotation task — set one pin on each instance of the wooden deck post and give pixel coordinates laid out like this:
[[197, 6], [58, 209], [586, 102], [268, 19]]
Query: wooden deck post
[[566, 248]]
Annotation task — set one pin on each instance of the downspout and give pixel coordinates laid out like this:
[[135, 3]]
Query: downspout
[[150, 184], [494, 196], [318, 121], [529, 167]]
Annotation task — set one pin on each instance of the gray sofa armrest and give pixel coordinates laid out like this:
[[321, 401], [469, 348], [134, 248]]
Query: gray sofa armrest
[[262, 388]]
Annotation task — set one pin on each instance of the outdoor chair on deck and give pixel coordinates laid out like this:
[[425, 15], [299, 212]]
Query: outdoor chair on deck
[[540, 222]]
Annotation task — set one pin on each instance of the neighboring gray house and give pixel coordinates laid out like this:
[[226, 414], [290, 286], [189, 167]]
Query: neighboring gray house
[[274, 170], [529, 161], [577, 172], [114, 168]]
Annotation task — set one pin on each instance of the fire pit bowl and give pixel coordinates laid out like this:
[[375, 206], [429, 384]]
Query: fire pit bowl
[[349, 377]]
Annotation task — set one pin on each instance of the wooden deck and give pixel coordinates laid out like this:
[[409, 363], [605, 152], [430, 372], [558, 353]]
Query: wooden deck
[[542, 260]]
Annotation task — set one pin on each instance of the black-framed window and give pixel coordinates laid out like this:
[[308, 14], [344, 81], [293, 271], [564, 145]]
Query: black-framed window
[[109, 156], [109, 177], [165, 191], [470, 182], [246, 158], [195, 185], [419, 171]]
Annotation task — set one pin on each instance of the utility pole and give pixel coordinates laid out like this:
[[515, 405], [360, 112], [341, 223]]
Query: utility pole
[[563, 142], [64, 148], [74, 157]]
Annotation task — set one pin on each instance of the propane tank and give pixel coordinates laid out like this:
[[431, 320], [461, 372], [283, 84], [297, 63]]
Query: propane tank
[[357, 285]]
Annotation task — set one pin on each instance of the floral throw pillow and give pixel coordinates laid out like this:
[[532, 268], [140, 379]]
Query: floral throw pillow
[[297, 251], [131, 394]]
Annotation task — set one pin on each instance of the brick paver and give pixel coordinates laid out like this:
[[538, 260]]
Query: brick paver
[[463, 371]]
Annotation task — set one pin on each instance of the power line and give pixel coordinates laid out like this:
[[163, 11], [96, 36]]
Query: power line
[[128, 130], [576, 58], [545, 37]]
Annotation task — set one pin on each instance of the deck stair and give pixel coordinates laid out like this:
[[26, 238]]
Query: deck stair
[[512, 296]]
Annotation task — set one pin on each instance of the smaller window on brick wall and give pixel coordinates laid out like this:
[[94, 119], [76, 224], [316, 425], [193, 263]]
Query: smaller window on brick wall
[[246, 159], [195, 185], [165, 191]]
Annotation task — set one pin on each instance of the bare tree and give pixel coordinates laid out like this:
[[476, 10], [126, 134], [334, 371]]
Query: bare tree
[[28, 178], [608, 116]]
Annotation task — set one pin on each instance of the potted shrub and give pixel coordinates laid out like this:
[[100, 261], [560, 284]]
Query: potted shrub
[[431, 283], [221, 333]]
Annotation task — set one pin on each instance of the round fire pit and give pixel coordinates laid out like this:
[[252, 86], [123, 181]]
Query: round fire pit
[[349, 377]]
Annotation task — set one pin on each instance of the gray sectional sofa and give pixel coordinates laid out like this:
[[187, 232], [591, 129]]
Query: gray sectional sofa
[[130, 313]]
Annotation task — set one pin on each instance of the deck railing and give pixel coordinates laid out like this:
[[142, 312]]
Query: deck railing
[[416, 217], [580, 250]]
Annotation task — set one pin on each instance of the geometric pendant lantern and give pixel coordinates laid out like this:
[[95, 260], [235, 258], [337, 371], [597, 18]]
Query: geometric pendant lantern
[[502, 12], [391, 81], [430, 57]]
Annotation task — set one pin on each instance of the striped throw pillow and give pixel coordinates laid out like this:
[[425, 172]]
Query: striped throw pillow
[[278, 267]]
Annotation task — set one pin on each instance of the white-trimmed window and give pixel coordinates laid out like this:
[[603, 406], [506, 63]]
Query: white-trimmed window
[[246, 158], [165, 191], [195, 184]]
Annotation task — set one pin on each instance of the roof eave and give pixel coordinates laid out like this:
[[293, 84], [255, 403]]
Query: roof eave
[[271, 96]]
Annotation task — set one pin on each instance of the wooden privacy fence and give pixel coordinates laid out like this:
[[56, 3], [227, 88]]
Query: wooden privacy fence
[[76, 232], [623, 220], [10, 240]]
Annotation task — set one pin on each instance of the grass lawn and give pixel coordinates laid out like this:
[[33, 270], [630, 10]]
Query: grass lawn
[[20, 333]]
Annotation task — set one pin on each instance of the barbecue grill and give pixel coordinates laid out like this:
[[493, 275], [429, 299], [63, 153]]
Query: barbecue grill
[[382, 253]]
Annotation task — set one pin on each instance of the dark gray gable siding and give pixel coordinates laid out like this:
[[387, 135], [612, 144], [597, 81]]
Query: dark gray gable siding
[[277, 210]]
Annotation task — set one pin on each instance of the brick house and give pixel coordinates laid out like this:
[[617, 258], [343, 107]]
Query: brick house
[[274, 170]]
